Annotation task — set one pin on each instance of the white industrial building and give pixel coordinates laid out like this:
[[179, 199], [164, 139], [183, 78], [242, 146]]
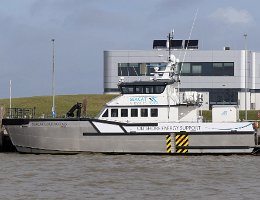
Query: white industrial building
[[222, 76]]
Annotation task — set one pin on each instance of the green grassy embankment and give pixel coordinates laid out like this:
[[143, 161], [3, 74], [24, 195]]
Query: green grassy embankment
[[63, 103], [95, 102]]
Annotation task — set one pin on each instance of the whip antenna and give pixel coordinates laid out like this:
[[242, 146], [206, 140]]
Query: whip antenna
[[191, 30]]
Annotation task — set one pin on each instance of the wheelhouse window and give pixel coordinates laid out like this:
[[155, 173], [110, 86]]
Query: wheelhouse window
[[127, 89], [124, 112], [139, 89], [154, 112], [144, 112], [159, 89], [134, 112], [149, 90], [114, 112], [105, 114]]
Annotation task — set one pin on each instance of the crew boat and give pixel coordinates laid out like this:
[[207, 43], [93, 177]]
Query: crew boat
[[149, 117]]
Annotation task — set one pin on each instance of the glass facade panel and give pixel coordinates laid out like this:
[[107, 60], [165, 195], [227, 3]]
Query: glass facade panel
[[230, 64], [143, 69], [196, 69], [217, 64], [187, 69], [219, 96], [223, 97]]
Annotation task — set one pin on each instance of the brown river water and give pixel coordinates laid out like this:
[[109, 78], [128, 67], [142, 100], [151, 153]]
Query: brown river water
[[98, 176]]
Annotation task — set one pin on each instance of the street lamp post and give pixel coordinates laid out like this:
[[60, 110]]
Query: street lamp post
[[245, 35], [10, 95], [53, 82]]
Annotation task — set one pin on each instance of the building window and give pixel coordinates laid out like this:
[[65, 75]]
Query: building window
[[185, 68], [143, 69], [228, 69], [223, 69], [124, 112], [196, 69], [154, 112], [144, 112], [223, 97], [134, 112], [128, 69], [217, 65], [138, 69], [114, 112]]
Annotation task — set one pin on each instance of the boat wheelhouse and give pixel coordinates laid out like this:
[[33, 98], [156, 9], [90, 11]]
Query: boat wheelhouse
[[157, 101]]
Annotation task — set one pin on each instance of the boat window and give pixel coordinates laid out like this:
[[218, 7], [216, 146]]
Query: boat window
[[139, 90], [149, 90], [144, 112], [124, 112], [114, 112], [105, 114], [154, 112], [127, 89], [134, 112], [159, 89]]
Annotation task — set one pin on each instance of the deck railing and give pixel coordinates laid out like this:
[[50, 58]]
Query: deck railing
[[16, 113]]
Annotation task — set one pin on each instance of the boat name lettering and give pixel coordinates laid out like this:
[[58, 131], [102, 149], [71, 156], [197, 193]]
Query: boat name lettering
[[50, 124], [169, 128], [143, 100]]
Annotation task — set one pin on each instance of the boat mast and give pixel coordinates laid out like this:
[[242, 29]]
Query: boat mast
[[170, 37]]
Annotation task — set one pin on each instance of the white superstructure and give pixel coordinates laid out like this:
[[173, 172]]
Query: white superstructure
[[158, 100]]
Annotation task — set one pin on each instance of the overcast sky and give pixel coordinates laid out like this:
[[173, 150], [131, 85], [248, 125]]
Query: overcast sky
[[83, 29]]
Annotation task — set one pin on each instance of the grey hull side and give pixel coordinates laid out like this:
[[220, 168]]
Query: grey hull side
[[83, 136]]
